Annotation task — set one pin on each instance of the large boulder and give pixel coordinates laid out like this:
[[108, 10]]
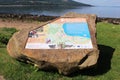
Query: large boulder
[[65, 61]]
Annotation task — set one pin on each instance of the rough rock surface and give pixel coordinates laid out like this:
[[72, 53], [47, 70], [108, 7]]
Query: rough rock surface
[[1, 78], [65, 61]]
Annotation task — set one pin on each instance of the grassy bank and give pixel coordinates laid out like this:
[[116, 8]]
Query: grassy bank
[[108, 39]]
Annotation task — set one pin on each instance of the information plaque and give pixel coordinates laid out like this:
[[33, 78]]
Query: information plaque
[[63, 33]]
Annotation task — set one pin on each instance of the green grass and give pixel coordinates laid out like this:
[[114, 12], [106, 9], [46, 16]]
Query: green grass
[[108, 39], [5, 34]]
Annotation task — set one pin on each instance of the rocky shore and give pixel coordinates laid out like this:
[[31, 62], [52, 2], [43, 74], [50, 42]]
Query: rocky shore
[[109, 20], [44, 18]]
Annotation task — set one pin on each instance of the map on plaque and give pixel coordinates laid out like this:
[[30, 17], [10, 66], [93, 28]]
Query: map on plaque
[[63, 33]]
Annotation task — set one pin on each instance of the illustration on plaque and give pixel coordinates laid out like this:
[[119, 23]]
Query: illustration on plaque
[[63, 33]]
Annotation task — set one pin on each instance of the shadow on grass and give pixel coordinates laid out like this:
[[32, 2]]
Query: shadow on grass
[[103, 65]]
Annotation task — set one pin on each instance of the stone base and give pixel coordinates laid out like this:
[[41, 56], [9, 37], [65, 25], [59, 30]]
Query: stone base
[[65, 61]]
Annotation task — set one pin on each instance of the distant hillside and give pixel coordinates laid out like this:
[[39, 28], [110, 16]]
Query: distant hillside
[[41, 2]]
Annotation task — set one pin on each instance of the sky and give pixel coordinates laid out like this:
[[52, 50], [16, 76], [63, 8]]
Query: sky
[[101, 2]]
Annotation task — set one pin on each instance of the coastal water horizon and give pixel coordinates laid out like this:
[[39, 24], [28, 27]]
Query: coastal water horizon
[[100, 11]]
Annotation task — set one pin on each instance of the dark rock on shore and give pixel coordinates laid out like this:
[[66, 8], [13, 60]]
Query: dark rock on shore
[[27, 17], [109, 20]]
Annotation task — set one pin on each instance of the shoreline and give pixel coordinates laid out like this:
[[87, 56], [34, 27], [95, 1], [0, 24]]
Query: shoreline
[[44, 18], [23, 21], [109, 20], [20, 21]]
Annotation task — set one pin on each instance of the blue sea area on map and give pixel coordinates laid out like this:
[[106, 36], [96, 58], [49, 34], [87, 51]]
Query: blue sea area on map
[[77, 29]]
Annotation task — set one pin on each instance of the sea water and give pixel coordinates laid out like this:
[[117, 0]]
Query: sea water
[[100, 11]]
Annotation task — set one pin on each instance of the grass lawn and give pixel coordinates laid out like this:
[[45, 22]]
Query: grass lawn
[[108, 39]]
